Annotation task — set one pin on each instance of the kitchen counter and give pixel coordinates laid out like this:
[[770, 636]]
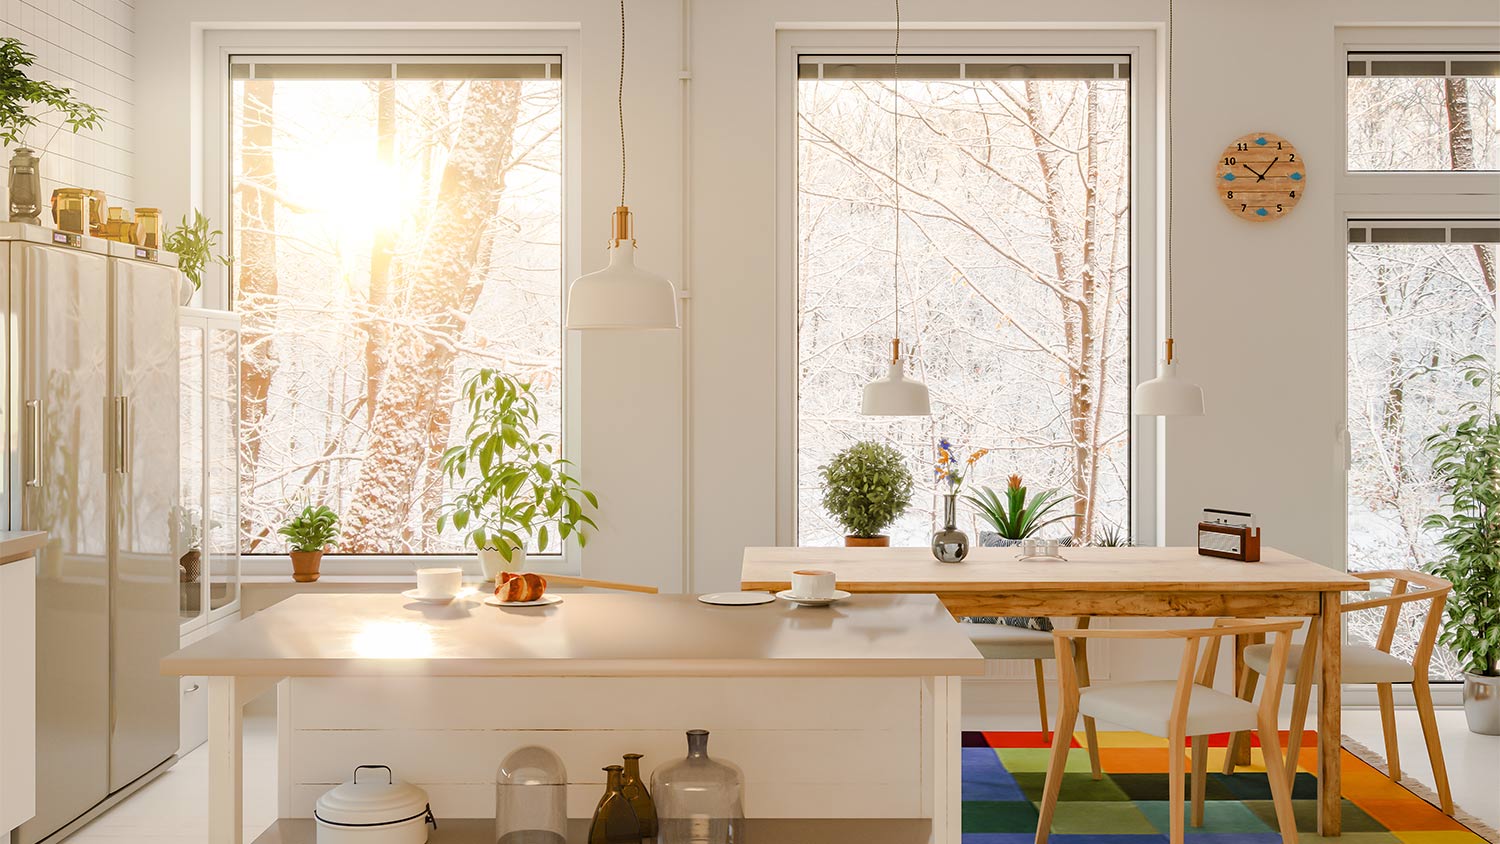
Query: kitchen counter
[[839, 715], [20, 544]]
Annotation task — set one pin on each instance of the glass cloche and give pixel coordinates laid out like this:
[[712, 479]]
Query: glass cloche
[[699, 800], [531, 798]]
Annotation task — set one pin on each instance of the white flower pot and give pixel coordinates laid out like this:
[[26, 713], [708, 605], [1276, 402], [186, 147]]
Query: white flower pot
[[492, 562], [1482, 703]]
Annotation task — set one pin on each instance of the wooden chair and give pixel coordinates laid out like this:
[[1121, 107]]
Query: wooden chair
[[1176, 710], [1364, 664], [1002, 641]]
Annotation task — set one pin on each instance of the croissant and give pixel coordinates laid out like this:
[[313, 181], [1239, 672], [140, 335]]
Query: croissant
[[520, 587]]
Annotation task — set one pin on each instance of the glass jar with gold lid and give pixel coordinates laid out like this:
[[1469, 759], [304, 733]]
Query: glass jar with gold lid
[[148, 230], [72, 209]]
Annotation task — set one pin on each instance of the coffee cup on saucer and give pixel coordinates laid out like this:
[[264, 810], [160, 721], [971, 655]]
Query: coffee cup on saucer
[[435, 584], [813, 583]]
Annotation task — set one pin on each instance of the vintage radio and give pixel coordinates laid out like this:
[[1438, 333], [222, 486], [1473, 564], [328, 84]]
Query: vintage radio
[[1230, 534]]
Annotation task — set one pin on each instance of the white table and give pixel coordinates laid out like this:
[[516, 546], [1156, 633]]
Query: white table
[[851, 711]]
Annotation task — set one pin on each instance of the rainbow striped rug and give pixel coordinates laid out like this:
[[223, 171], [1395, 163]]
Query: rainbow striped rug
[[1003, 774]]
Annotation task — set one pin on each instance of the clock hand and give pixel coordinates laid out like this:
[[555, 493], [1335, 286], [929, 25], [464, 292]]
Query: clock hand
[[1261, 176], [1252, 170]]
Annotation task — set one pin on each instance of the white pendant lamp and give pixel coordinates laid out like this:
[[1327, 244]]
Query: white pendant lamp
[[894, 394], [622, 295], [1167, 394]]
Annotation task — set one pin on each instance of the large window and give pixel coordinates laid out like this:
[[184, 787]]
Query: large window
[[1421, 299], [1014, 278], [396, 223]]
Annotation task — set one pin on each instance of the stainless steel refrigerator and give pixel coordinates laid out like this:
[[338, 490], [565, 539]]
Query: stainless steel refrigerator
[[91, 413]]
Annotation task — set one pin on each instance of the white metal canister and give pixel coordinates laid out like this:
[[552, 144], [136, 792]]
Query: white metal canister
[[374, 812]]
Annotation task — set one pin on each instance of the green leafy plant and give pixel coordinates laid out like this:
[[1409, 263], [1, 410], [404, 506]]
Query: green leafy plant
[[1013, 517], [866, 487], [312, 529], [1112, 536], [1466, 459], [193, 244], [20, 95], [511, 482]]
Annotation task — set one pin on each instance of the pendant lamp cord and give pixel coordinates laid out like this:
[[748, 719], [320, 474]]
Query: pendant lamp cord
[[1171, 57], [620, 102], [896, 168]]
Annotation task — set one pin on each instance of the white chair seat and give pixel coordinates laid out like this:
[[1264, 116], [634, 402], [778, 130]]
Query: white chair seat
[[1361, 664], [1147, 707], [1002, 641]]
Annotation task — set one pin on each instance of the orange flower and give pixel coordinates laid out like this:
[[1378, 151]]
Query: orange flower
[[973, 458], [1015, 482]]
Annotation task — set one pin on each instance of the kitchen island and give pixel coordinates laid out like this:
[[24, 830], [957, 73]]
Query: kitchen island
[[834, 714]]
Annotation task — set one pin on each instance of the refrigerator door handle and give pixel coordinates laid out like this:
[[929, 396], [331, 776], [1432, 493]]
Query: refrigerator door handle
[[127, 453], [34, 431]]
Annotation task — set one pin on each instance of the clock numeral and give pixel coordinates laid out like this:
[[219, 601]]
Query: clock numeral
[[1278, 208], [1230, 160], [1292, 157], [1278, 144], [1293, 194], [1242, 147], [1230, 195], [1242, 206]]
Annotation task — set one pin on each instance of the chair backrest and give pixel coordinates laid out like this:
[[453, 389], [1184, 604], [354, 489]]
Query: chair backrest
[[1430, 587]]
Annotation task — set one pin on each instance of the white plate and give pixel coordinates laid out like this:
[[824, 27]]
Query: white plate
[[414, 595], [543, 601], [736, 599], [838, 595]]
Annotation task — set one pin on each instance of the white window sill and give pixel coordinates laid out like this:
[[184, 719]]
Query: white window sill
[[270, 567]]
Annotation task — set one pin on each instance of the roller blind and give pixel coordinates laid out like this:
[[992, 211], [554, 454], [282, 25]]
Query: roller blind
[[389, 67], [1424, 64], [963, 67], [1424, 231]]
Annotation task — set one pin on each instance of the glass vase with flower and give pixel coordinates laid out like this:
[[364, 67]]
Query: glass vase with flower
[[949, 544]]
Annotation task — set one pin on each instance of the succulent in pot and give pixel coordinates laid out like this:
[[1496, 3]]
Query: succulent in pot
[[866, 487], [511, 484], [1013, 517], [1466, 461], [307, 535]]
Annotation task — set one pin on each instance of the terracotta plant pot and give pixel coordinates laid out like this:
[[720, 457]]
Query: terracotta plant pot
[[305, 565], [867, 541]]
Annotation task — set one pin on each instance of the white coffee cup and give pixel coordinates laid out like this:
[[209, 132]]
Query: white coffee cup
[[439, 582], [813, 583]]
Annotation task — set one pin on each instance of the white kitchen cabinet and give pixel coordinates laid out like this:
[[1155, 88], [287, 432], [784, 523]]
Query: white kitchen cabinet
[[209, 507], [17, 694]]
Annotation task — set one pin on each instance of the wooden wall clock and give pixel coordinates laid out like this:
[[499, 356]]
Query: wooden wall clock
[[1261, 176]]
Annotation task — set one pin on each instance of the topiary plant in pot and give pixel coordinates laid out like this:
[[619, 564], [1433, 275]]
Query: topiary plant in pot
[[1466, 460], [307, 534], [866, 487]]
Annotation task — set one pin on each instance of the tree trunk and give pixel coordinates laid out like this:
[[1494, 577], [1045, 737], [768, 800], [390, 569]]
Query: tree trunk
[[381, 249], [256, 296], [1461, 157], [438, 297]]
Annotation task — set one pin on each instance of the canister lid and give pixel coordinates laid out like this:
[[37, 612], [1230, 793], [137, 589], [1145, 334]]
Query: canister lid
[[373, 801]]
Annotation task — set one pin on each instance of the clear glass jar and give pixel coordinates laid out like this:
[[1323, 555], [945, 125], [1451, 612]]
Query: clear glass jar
[[699, 800], [531, 798]]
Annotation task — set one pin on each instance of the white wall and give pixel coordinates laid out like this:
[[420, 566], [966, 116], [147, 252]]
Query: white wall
[[1259, 306], [88, 46]]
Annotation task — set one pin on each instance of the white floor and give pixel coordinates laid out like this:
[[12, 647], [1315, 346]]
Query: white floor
[[173, 809]]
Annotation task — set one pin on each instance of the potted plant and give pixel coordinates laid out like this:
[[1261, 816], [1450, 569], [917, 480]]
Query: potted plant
[[20, 97], [865, 488], [1013, 517], [1466, 460], [308, 533], [193, 243], [511, 483]]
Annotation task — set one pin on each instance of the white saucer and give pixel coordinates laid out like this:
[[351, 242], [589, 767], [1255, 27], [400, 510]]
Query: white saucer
[[414, 595], [543, 601], [838, 595], [736, 599]]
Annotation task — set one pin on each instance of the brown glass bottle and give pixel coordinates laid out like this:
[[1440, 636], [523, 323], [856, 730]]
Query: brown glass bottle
[[639, 797], [614, 820]]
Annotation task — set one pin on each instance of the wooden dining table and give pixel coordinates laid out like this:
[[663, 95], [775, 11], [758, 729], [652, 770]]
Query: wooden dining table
[[1101, 582]]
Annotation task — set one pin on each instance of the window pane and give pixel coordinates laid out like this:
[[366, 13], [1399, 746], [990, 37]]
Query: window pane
[[1422, 123], [390, 235], [1014, 284], [1415, 310]]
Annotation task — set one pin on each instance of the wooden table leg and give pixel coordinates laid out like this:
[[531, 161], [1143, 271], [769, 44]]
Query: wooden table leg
[[1090, 731], [1330, 726], [225, 762]]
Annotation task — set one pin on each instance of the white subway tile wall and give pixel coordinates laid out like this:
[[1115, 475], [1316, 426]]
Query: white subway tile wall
[[85, 45]]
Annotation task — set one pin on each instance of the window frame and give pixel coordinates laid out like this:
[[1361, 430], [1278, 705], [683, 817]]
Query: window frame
[[1143, 47], [210, 191], [1416, 196]]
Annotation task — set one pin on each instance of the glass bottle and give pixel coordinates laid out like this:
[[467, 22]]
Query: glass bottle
[[531, 798], [950, 545], [614, 820], [699, 800], [640, 799]]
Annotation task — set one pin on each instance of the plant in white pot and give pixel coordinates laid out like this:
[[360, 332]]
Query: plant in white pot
[[511, 484], [1466, 460]]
